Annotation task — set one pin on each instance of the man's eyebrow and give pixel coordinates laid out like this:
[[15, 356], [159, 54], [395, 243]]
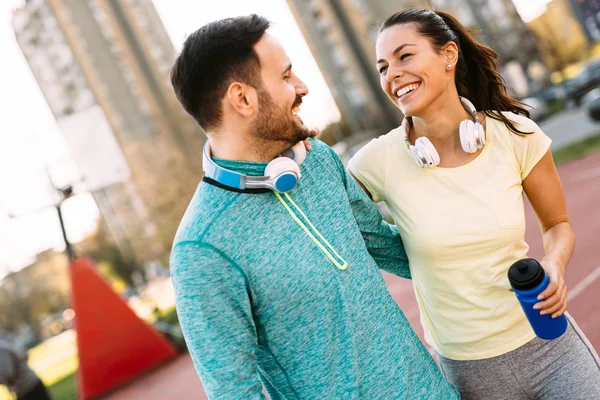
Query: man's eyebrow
[[398, 50], [287, 69]]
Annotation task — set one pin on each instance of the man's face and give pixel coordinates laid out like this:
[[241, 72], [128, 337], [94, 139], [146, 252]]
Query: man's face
[[279, 96]]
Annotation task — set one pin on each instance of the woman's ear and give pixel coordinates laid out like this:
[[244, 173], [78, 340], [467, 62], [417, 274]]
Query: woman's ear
[[450, 54]]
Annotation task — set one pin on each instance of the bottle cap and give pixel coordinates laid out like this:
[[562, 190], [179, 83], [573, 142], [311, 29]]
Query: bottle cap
[[526, 274]]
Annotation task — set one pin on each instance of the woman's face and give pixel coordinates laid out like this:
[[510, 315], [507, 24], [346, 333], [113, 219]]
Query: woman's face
[[412, 73]]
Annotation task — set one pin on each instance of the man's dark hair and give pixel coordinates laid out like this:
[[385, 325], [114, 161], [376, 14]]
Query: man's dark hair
[[213, 57]]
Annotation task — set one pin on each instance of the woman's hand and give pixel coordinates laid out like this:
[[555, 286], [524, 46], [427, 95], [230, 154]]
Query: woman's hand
[[554, 298], [313, 133]]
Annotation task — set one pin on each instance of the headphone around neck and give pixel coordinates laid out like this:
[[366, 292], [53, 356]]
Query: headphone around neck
[[281, 174], [472, 137]]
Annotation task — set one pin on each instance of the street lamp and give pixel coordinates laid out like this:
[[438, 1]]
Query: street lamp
[[66, 192]]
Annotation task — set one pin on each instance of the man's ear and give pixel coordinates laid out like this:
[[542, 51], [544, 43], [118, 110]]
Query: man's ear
[[242, 98]]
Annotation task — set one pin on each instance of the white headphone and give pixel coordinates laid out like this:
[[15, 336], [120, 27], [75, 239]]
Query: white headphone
[[472, 137], [281, 174]]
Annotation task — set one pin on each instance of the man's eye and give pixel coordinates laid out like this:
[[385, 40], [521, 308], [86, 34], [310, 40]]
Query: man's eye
[[287, 77], [382, 70]]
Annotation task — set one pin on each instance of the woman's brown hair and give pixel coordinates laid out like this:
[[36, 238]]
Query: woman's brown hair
[[477, 76]]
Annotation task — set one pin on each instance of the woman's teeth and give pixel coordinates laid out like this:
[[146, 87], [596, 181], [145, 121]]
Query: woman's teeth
[[408, 88]]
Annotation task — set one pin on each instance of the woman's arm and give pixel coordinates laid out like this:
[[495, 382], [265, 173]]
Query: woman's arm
[[545, 192]]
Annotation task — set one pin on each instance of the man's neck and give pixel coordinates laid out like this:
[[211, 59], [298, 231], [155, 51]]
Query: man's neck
[[242, 149]]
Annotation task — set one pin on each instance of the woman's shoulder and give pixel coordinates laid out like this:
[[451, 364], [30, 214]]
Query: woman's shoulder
[[497, 125], [375, 151], [521, 122], [527, 145], [379, 143]]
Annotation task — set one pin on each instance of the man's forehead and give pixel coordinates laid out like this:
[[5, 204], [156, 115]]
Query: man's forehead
[[271, 53]]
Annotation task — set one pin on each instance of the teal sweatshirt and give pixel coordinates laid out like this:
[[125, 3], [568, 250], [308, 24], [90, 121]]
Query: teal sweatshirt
[[285, 292]]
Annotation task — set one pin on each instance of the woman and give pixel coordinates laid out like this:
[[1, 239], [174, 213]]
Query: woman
[[453, 179]]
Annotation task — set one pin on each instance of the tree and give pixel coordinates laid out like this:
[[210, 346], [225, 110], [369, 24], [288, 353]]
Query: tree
[[101, 249], [34, 292]]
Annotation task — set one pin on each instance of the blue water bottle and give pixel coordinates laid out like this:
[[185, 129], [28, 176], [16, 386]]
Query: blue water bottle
[[528, 280]]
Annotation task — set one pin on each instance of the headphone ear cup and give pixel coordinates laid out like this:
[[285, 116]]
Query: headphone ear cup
[[428, 151], [281, 165], [467, 132], [480, 135], [284, 173], [296, 153]]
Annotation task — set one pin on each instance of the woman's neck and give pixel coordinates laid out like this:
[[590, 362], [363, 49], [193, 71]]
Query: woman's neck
[[440, 124]]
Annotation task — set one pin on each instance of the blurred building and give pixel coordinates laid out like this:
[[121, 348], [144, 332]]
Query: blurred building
[[588, 14], [99, 61], [560, 36], [342, 34], [503, 29]]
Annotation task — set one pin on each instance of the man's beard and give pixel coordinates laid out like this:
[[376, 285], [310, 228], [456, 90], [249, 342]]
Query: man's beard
[[274, 124]]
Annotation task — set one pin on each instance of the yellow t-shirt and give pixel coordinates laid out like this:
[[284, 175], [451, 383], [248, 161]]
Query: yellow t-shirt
[[462, 228]]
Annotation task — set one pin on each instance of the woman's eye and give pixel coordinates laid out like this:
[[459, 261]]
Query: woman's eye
[[404, 56], [382, 70]]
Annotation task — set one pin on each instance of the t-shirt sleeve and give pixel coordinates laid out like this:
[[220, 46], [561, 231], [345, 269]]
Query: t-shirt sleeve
[[368, 165], [529, 149]]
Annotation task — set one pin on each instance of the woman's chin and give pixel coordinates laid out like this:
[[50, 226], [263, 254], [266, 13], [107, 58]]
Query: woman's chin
[[410, 108]]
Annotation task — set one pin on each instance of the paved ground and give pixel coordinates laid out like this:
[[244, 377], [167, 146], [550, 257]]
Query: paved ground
[[581, 180], [570, 126], [175, 381]]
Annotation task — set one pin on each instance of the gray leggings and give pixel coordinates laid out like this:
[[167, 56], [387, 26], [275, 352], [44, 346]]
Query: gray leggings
[[559, 369]]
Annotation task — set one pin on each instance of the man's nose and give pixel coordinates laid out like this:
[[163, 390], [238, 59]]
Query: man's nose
[[301, 88]]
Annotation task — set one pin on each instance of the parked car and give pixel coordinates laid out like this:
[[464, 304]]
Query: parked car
[[593, 109], [538, 109], [585, 82], [551, 93]]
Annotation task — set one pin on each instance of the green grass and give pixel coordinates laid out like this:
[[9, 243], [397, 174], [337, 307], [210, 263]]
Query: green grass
[[577, 150], [55, 361], [169, 315], [65, 388]]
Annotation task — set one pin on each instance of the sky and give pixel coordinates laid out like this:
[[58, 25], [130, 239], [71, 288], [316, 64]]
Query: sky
[[31, 147]]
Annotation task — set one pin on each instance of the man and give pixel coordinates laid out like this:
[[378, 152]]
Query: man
[[16, 374], [283, 290]]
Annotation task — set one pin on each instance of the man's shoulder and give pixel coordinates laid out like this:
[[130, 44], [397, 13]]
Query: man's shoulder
[[325, 156], [321, 149], [207, 214], [206, 207]]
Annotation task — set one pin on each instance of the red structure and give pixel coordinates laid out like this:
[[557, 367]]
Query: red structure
[[114, 344]]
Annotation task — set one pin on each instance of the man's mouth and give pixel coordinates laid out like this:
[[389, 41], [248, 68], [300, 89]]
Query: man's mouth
[[296, 109], [296, 105]]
